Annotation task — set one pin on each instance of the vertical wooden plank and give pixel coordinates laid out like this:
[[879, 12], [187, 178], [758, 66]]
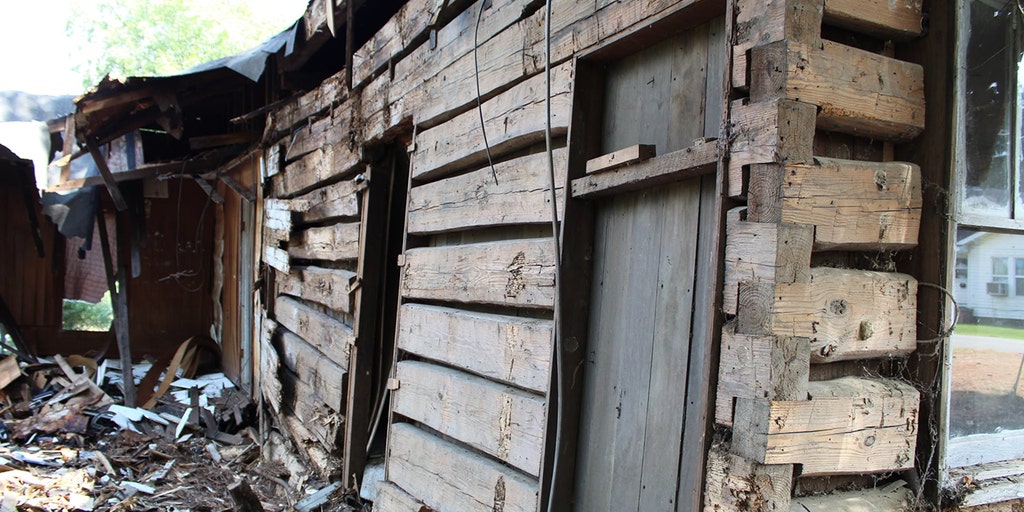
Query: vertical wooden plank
[[667, 408]]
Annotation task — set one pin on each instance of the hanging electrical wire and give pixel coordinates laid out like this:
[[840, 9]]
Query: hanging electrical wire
[[479, 101]]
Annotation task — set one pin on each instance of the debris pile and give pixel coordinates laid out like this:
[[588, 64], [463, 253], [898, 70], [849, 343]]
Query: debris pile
[[68, 442]]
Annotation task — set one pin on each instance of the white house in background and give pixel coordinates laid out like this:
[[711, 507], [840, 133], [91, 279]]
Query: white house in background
[[989, 276]]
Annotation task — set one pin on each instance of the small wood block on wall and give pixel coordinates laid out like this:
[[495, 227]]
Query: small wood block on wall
[[849, 425], [753, 366], [761, 252], [846, 314], [621, 158]]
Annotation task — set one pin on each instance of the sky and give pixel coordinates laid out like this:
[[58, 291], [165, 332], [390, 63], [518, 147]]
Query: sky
[[35, 56]]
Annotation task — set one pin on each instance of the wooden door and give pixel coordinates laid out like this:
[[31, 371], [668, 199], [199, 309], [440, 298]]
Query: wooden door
[[635, 421]]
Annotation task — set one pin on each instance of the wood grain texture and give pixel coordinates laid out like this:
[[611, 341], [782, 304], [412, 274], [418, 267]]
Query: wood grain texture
[[446, 476], [885, 19], [498, 420], [514, 273], [623, 157], [677, 166], [299, 399], [779, 131], [277, 258], [735, 484], [760, 252], [330, 287], [516, 193], [323, 376], [855, 205], [513, 119], [849, 425], [338, 242], [269, 365], [751, 366], [857, 92], [308, 106], [330, 336], [322, 164], [392, 498], [335, 201], [893, 496], [848, 314], [508, 349]]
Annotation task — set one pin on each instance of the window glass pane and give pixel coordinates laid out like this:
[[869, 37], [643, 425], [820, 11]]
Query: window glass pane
[[987, 391], [989, 91], [999, 267]]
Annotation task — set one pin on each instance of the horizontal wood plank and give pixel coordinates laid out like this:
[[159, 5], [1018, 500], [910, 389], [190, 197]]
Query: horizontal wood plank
[[321, 165], [509, 349], [322, 375], [513, 273], [885, 19], [894, 496], [849, 425], [499, 420], [335, 201], [735, 484], [338, 242], [857, 92], [302, 108], [446, 476], [392, 498], [328, 335], [697, 160], [516, 193], [513, 119], [300, 399], [330, 287], [270, 385]]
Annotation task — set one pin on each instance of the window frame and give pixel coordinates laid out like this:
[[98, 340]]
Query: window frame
[[958, 455]]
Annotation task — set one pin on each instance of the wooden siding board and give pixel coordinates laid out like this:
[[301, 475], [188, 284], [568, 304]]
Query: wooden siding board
[[445, 476], [515, 273], [330, 336], [330, 287], [508, 349], [338, 242], [499, 420]]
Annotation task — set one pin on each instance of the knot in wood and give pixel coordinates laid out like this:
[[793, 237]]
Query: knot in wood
[[881, 180], [838, 307], [869, 441]]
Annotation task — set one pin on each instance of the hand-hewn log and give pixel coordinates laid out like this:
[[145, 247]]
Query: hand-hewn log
[[337, 242], [392, 498], [446, 476], [321, 165], [734, 484], [328, 335], [324, 376], [893, 496], [516, 193], [330, 287], [779, 131], [760, 252], [751, 366], [849, 425], [514, 273], [857, 92], [499, 420], [509, 349]]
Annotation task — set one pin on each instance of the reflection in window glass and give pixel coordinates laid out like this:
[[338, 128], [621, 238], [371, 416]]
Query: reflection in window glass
[[989, 91], [987, 392]]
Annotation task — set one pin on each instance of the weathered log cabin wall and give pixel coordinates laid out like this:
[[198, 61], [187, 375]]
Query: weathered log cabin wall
[[808, 383], [469, 406]]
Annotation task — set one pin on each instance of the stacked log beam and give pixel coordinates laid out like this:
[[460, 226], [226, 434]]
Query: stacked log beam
[[789, 317]]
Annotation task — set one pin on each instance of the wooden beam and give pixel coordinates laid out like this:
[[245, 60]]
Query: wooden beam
[[889, 105], [849, 425], [337, 242], [445, 476], [893, 496], [761, 252], [270, 363], [324, 376], [328, 335], [847, 314], [499, 420], [516, 273], [752, 366], [474, 200], [226, 139], [119, 301], [336, 201], [331, 287], [208, 188], [621, 158], [780, 131], [899, 20], [697, 160], [315, 169], [108, 177], [392, 498], [509, 349]]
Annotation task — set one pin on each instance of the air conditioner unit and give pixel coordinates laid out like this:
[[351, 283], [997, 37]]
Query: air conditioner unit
[[997, 289]]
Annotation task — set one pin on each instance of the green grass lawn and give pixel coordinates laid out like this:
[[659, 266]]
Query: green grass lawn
[[990, 330]]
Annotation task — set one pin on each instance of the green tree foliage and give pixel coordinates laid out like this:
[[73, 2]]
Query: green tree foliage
[[83, 316], [160, 37]]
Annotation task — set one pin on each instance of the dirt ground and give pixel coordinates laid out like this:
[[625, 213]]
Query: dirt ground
[[983, 398]]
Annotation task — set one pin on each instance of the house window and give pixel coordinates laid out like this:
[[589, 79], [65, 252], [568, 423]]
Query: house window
[[984, 387]]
